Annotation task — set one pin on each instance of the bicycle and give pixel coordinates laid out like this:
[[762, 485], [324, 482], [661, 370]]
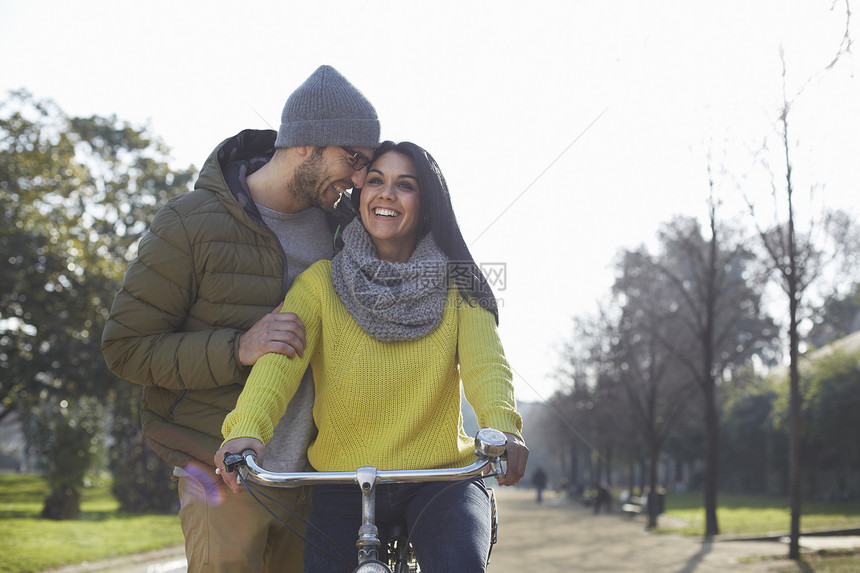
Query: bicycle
[[396, 553]]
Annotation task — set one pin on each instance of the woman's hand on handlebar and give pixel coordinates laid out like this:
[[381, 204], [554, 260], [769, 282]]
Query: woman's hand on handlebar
[[517, 454], [236, 446]]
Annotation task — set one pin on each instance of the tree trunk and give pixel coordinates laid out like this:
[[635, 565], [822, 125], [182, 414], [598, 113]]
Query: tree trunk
[[794, 292], [653, 507], [708, 383], [679, 470], [609, 464], [794, 432], [711, 462], [631, 475], [63, 503]]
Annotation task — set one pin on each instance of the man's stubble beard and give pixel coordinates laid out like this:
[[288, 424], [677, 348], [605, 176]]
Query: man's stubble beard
[[308, 181]]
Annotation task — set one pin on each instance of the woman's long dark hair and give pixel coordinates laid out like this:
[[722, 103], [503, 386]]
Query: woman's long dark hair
[[437, 217]]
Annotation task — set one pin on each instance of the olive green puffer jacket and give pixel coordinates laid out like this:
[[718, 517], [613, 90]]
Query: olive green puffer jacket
[[205, 273]]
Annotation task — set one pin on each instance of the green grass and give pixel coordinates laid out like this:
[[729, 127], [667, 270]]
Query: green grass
[[748, 515], [828, 562], [29, 544]]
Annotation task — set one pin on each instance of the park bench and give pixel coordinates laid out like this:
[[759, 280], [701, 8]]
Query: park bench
[[634, 505], [639, 504]]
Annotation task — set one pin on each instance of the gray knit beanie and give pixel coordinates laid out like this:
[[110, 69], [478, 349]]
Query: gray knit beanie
[[328, 110]]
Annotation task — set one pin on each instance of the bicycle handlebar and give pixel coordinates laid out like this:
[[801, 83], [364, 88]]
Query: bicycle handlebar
[[489, 448]]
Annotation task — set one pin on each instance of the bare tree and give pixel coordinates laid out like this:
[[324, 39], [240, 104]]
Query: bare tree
[[718, 313], [586, 413], [797, 258], [657, 388], [713, 304]]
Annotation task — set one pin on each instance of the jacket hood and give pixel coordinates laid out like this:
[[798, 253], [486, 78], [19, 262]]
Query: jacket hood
[[252, 146]]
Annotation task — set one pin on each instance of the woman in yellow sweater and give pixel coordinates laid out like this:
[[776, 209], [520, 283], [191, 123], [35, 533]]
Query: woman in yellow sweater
[[393, 324]]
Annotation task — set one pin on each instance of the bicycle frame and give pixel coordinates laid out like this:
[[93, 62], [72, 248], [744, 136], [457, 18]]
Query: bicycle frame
[[489, 449]]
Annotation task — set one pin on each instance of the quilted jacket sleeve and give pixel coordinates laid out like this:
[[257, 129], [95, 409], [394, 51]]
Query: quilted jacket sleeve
[[146, 339]]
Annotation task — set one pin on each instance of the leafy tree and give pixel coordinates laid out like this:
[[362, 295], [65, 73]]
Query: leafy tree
[[76, 194], [141, 481], [67, 437], [684, 448], [646, 337], [589, 413], [716, 312], [832, 400], [838, 316], [754, 455]]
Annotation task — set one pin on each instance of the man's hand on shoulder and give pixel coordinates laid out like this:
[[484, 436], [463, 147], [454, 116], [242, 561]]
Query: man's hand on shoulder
[[278, 332]]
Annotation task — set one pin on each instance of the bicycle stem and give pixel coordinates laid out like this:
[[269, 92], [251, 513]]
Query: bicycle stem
[[368, 534]]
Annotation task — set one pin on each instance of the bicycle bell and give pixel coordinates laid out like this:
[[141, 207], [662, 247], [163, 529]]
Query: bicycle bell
[[490, 442]]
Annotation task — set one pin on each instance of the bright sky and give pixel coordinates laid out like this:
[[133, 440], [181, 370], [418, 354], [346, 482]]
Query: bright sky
[[566, 129]]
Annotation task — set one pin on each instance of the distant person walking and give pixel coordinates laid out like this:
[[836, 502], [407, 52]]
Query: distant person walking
[[604, 498], [539, 481]]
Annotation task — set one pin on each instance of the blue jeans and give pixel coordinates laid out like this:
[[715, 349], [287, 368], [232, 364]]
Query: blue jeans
[[453, 534]]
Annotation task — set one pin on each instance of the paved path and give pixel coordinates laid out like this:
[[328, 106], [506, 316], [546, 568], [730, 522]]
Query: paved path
[[559, 535]]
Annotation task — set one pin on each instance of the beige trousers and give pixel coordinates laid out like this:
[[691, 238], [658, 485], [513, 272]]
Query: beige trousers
[[232, 533]]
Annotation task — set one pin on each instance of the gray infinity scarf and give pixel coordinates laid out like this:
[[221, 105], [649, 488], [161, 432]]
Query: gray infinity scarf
[[390, 301]]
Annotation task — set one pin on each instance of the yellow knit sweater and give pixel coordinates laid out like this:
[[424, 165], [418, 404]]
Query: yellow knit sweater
[[392, 405]]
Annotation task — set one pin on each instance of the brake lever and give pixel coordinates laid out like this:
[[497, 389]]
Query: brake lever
[[233, 461]]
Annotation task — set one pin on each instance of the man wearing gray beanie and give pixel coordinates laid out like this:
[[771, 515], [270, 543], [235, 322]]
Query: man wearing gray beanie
[[200, 304], [328, 110]]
